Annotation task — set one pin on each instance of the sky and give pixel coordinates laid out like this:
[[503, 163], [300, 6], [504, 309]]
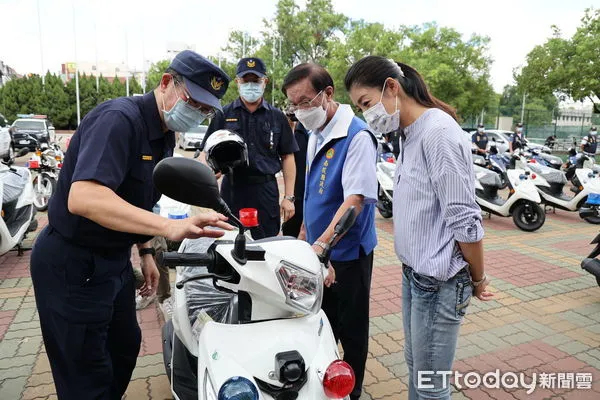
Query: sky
[[132, 31]]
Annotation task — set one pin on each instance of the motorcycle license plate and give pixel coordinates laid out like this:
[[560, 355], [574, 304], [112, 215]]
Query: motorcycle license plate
[[23, 141], [593, 198]]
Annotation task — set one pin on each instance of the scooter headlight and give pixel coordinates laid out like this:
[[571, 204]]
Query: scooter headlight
[[238, 388], [303, 289]]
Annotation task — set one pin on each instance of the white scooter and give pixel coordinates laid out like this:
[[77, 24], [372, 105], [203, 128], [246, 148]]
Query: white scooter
[[550, 183], [386, 169], [18, 212], [247, 320], [522, 203]]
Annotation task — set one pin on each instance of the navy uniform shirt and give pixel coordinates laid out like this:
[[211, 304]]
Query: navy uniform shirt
[[117, 145], [480, 140], [266, 132]]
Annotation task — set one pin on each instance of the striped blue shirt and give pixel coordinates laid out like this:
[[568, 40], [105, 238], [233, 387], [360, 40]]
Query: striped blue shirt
[[434, 196]]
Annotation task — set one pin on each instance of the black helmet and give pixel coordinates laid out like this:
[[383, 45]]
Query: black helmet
[[572, 152], [225, 150]]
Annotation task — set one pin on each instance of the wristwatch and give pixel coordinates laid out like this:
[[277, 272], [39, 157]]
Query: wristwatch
[[291, 198], [477, 283], [322, 245], [148, 250]]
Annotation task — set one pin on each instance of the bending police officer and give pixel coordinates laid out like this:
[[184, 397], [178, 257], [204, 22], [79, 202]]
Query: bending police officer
[[80, 265]]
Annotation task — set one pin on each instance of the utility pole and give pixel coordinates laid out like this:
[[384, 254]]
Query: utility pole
[[76, 69], [523, 106], [41, 46]]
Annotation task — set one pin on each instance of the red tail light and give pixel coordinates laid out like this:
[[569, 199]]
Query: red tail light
[[390, 159], [339, 380], [34, 164], [59, 165], [533, 176]]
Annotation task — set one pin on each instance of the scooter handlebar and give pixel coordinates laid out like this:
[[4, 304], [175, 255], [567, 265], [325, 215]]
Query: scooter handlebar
[[174, 259]]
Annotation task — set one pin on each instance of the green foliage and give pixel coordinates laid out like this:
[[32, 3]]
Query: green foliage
[[457, 71], [58, 100], [155, 73], [565, 66]]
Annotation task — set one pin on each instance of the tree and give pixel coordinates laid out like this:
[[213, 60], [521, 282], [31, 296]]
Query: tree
[[155, 73], [568, 66]]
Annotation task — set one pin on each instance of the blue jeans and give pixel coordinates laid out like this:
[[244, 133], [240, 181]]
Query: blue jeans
[[432, 312]]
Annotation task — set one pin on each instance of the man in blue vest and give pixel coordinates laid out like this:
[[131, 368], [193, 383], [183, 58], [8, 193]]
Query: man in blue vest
[[341, 173]]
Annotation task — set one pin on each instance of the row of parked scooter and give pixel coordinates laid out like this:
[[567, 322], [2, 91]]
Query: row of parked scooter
[[26, 190], [536, 182]]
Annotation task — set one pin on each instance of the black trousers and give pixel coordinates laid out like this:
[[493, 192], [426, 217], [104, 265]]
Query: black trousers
[[346, 305], [86, 305], [263, 196], [292, 226]]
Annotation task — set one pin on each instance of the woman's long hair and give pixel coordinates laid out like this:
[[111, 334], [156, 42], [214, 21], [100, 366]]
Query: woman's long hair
[[372, 71]]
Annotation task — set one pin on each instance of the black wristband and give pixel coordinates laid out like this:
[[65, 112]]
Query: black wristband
[[148, 250]]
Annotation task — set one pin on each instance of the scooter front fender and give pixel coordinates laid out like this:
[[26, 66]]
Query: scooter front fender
[[249, 350]]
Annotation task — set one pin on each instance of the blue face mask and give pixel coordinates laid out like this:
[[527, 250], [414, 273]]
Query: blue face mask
[[182, 117], [251, 91]]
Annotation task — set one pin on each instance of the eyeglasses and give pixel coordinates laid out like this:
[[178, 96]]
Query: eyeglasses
[[292, 108], [203, 108]]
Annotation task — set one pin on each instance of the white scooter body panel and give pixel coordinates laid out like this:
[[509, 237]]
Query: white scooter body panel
[[524, 190], [385, 175], [222, 354], [25, 198]]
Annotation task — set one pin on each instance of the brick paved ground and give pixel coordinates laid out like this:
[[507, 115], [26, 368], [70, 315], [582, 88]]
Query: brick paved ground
[[545, 319]]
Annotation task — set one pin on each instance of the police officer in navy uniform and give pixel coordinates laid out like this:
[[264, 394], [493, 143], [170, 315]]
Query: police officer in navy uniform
[[480, 140], [589, 143], [271, 146], [516, 139], [80, 264], [292, 226]]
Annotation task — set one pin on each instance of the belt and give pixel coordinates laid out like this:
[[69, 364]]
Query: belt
[[255, 179]]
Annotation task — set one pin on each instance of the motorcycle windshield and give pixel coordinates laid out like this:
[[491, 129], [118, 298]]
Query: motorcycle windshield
[[201, 295]]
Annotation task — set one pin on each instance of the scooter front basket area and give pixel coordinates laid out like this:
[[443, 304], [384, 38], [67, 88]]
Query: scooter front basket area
[[201, 295]]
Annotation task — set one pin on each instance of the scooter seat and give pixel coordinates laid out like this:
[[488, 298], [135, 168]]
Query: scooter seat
[[14, 184], [549, 174]]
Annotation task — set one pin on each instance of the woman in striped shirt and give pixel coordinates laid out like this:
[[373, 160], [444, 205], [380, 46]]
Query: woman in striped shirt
[[437, 223]]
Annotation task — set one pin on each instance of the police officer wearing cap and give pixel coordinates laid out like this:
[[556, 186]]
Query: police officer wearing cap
[[516, 139], [271, 146], [80, 264], [589, 143], [480, 140]]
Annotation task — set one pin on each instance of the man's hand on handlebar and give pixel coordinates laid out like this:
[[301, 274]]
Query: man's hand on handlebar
[[196, 226]]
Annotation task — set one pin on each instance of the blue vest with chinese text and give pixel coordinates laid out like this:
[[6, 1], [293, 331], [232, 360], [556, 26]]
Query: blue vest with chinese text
[[324, 195]]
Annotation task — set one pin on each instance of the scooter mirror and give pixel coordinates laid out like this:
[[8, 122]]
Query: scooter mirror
[[189, 182], [346, 222]]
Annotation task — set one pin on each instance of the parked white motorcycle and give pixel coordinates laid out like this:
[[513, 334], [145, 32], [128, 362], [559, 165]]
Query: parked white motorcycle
[[45, 165], [550, 183], [386, 169], [522, 203], [247, 320], [18, 212]]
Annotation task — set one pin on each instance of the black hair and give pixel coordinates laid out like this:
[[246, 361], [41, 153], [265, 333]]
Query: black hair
[[319, 77], [372, 71]]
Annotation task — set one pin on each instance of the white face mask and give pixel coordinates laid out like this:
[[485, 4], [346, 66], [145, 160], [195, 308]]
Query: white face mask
[[519, 130], [378, 118], [312, 118]]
